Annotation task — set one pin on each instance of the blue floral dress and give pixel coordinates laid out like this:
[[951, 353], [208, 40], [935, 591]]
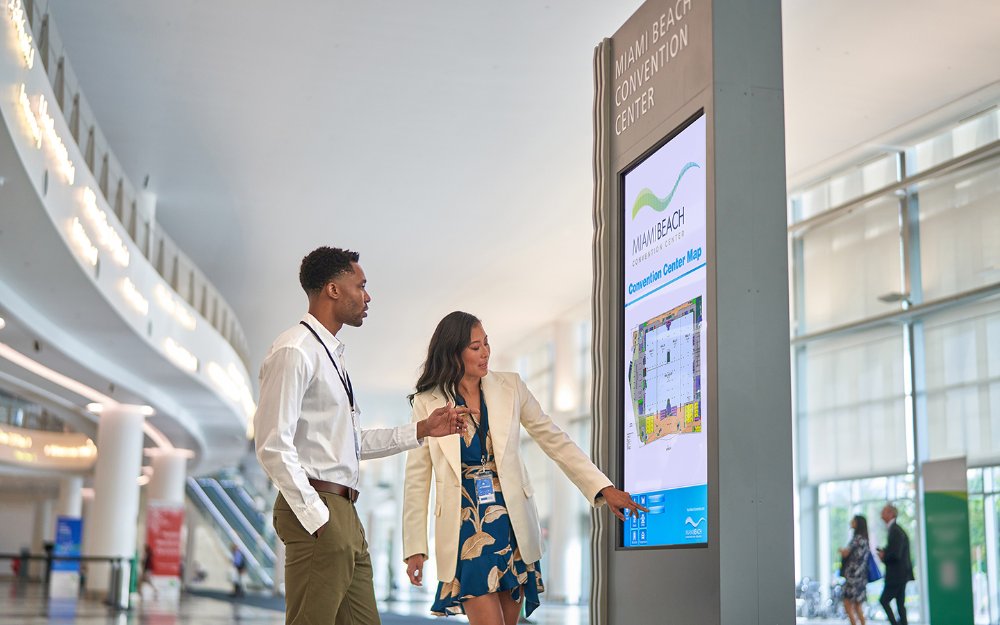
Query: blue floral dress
[[855, 570], [489, 560]]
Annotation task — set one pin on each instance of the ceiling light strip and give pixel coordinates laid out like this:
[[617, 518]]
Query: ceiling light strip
[[19, 19], [107, 235], [180, 356], [82, 242], [29, 116], [19, 359], [134, 297], [232, 385], [174, 307]]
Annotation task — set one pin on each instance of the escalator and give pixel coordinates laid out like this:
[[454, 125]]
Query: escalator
[[233, 527], [243, 500]]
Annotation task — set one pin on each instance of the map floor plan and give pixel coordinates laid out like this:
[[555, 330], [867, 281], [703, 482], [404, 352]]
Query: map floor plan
[[665, 374]]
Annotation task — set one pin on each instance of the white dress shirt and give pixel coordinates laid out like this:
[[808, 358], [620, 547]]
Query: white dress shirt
[[304, 426]]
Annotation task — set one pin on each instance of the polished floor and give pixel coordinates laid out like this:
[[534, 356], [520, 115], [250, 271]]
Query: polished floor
[[25, 604]]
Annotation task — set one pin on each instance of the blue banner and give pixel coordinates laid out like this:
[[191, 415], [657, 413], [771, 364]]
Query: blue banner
[[69, 536]]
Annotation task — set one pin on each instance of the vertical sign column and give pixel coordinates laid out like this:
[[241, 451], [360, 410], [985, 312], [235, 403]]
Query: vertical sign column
[[165, 522], [949, 556], [692, 370], [64, 582]]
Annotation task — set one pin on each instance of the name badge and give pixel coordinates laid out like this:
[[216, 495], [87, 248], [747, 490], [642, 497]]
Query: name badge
[[357, 443], [484, 488]]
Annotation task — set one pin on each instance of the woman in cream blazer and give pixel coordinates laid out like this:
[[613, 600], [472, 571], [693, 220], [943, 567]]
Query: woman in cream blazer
[[496, 565]]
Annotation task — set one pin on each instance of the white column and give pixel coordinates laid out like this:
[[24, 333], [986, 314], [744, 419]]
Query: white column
[[70, 497], [169, 475], [41, 533], [69, 503], [110, 530]]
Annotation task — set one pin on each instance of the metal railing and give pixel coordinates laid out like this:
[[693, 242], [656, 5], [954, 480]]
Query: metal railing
[[28, 415], [258, 571], [252, 538], [175, 267], [259, 519], [119, 573]]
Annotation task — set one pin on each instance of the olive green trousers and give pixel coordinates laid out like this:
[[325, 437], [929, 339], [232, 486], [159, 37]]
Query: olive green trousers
[[328, 580]]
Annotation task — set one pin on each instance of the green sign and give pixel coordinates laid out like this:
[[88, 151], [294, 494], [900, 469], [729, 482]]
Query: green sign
[[949, 556]]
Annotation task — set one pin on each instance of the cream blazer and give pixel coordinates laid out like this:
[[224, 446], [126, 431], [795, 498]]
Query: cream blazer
[[510, 405]]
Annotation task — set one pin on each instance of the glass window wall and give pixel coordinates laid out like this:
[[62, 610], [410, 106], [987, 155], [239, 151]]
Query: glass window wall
[[896, 284], [960, 232], [851, 407], [851, 266], [984, 508], [963, 383]]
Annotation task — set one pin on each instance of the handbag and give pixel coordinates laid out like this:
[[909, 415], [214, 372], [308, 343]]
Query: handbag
[[874, 572]]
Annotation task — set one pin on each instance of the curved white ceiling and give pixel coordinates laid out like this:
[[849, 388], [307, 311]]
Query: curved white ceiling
[[449, 142]]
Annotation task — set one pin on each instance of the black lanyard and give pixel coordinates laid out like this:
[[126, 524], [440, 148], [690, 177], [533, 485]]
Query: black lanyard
[[480, 425], [344, 378]]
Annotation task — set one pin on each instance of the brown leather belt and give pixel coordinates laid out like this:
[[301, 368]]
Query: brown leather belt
[[335, 489]]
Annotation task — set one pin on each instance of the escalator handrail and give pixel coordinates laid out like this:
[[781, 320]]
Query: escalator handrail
[[240, 518], [198, 494], [243, 501], [251, 540], [241, 496]]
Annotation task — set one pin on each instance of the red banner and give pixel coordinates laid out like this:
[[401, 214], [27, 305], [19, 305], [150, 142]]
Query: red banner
[[163, 535]]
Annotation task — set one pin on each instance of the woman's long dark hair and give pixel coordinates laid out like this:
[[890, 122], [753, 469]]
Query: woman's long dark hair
[[860, 526], [443, 368]]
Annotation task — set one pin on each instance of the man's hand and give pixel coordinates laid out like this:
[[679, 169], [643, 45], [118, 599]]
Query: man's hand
[[444, 421], [319, 532], [415, 569], [619, 500]]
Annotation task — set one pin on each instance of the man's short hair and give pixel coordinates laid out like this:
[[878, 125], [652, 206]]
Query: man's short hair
[[322, 265], [893, 509]]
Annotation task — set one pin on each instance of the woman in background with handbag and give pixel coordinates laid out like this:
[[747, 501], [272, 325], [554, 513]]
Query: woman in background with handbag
[[854, 568]]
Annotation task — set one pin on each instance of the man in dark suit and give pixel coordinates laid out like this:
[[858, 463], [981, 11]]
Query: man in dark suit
[[898, 566]]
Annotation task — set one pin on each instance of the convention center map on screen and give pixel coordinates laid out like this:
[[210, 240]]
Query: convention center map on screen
[[664, 412], [665, 374]]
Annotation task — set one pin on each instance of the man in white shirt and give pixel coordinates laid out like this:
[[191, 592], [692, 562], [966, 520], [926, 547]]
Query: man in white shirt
[[310, 442]]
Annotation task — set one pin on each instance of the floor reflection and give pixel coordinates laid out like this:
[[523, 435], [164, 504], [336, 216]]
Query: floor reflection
[[26, 604]]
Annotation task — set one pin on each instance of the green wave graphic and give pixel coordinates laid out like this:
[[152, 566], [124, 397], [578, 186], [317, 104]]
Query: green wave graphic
[[647, 198]]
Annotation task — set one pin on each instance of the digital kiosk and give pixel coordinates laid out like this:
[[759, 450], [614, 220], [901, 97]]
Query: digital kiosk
[[691, 396], [664, 425]]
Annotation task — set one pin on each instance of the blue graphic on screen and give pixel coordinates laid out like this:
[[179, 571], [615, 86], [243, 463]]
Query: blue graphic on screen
[[676, 517]]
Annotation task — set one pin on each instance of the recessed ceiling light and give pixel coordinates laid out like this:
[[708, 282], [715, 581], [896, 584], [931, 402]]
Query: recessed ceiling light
[[3, 324]]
